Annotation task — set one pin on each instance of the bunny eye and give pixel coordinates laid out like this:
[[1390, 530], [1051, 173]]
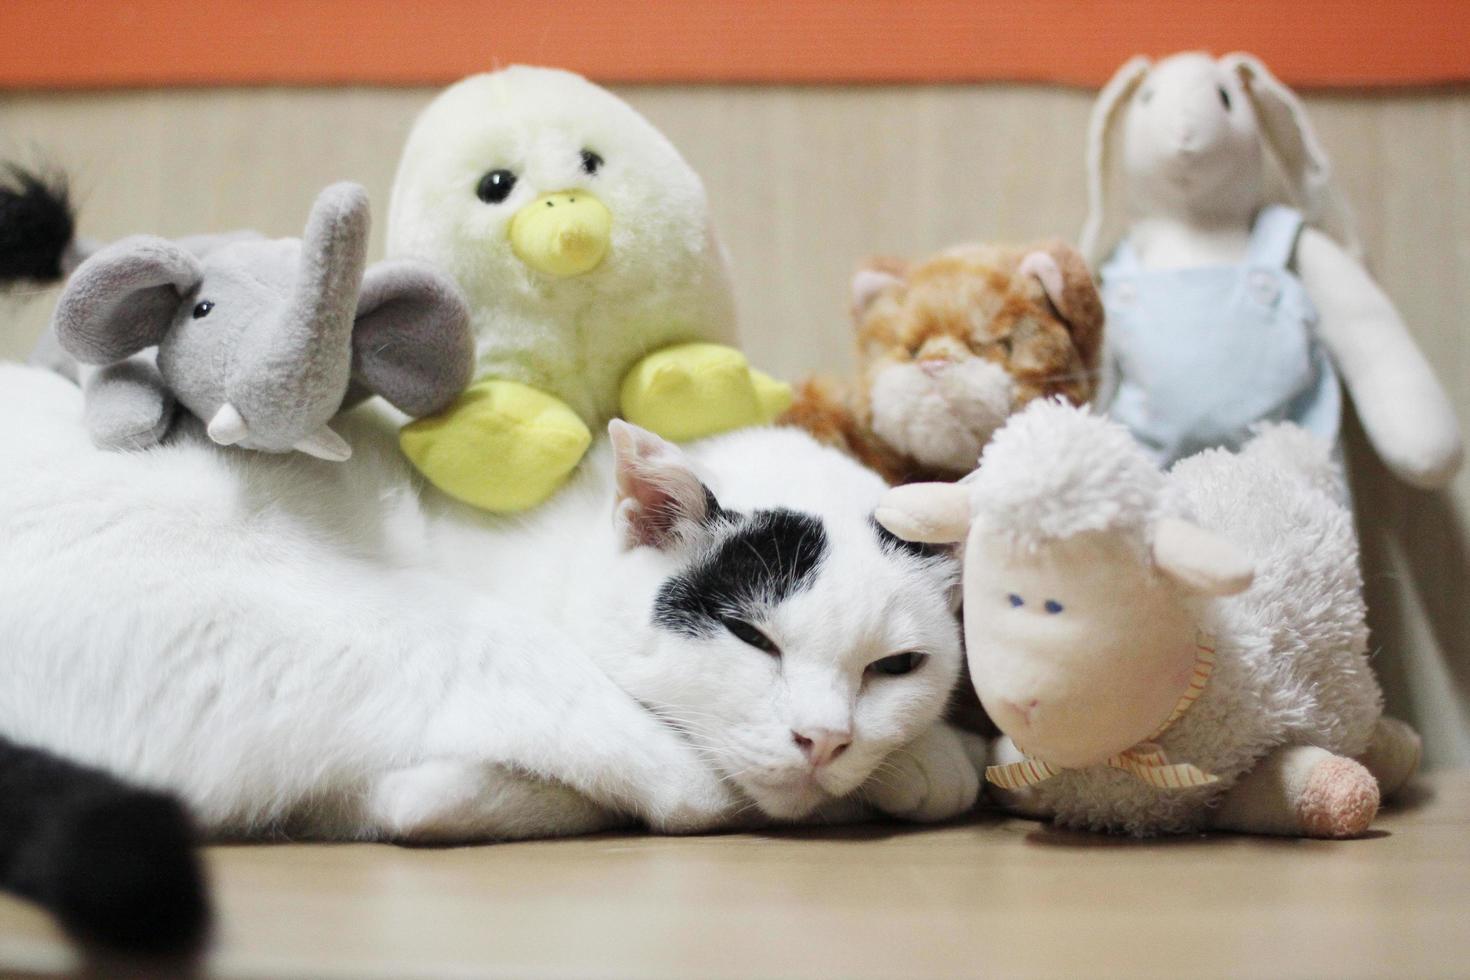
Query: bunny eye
[[1052, 607], [203, 308], [1015, 601], [1145, 95], [1224, 97]]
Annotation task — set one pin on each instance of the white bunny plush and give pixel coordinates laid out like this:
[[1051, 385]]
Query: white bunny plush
[[1225, 308]]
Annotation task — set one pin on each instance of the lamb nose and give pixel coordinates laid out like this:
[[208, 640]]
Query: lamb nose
[[821, 745]]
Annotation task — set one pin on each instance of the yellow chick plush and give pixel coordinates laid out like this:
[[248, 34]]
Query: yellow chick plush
[[597, 288]]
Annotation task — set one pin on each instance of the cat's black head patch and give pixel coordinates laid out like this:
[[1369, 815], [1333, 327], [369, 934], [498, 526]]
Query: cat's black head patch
[[893, 544], [757, 560]]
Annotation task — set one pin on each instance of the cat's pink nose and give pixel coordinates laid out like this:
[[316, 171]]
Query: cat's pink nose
[[821, 745]]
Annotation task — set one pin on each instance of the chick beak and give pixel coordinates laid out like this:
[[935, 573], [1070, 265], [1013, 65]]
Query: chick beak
[[563, 234]]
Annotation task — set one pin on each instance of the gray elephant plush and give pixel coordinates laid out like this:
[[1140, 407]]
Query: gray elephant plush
[[263, 339]]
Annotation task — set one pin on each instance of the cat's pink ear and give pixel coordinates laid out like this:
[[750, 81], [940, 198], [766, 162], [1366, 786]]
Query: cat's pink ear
[[659, 496]]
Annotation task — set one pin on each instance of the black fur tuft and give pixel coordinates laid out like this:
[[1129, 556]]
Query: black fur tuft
[[36, 225], [116, 865], [759, 560], [893, 544]]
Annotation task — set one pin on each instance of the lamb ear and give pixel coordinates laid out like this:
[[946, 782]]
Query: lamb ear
[[659, 496], [123, 298], [1200, 560], [930, 513], [1289, 133], [1106, 112], [411, 341]]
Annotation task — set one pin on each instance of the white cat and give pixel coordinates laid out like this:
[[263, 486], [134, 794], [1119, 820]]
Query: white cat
[[691, 641]]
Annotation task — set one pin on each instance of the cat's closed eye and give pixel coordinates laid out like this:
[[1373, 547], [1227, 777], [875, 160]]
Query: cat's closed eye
[[898, 664], [746, 633]]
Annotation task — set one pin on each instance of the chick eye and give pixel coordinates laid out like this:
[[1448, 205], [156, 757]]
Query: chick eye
[[495, 186], [591, 162], [746, 633], [898, 664], [1015, 601], [1224, 97], [1052, 606], [202, 308]]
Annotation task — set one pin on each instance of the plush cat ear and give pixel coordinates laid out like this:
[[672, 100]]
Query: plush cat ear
[[659, 496], [869, 282], [1067, 282]]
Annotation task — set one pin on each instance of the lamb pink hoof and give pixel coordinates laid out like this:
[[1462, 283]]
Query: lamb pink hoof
[[1339, 800]]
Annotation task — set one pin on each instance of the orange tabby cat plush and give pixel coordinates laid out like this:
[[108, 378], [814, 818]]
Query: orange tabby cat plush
[[951, 345]]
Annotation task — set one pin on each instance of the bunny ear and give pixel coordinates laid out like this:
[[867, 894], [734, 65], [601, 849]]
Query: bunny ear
[[1293, 141], [1106, 112]]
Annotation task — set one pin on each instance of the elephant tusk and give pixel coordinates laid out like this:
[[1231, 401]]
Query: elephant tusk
[[325, 444], [227, 427]]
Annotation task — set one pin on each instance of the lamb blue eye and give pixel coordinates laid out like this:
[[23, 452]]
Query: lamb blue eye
[[202, 309], [898, 664], [1053, 607], [746, 633], [1015, 600]]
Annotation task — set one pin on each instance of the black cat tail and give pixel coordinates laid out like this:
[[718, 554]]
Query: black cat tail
[[37, 225], [115, 865]]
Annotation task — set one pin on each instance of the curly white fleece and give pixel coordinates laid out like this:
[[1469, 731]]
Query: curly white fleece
[[1291, 662]]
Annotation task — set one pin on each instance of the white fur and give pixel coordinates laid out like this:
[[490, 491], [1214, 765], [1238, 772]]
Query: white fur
[[316, 647], [941, 419], [664, 279]]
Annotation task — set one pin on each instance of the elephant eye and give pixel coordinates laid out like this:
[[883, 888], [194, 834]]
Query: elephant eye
[[898, 664], [202, 309], [591, 162], [495, 186]]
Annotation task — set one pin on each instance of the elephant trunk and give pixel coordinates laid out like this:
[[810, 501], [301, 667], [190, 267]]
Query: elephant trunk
[[292, 371]]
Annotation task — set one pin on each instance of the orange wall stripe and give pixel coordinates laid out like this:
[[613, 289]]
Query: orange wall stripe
[[101, 43]]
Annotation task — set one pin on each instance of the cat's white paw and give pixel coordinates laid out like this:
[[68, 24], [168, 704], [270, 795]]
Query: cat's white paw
[[931, 778], [689, 799], [424, 802]]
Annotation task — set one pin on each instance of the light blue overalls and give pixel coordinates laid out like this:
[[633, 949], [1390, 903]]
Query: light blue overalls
[[1204, 353]]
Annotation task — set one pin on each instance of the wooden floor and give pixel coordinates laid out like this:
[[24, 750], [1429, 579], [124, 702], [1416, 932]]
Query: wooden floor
[[990, 896]]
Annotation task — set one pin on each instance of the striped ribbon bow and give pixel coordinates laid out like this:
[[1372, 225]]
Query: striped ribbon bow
[[1146, 761]]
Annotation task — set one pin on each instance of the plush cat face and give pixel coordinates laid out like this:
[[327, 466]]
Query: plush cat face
[[951, 346], [796, 642]]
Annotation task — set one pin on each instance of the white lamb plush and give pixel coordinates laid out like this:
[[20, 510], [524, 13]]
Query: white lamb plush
[[1166, 652]]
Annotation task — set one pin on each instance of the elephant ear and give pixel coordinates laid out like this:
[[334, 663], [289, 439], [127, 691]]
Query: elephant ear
[[412, 342], [123, 298]]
